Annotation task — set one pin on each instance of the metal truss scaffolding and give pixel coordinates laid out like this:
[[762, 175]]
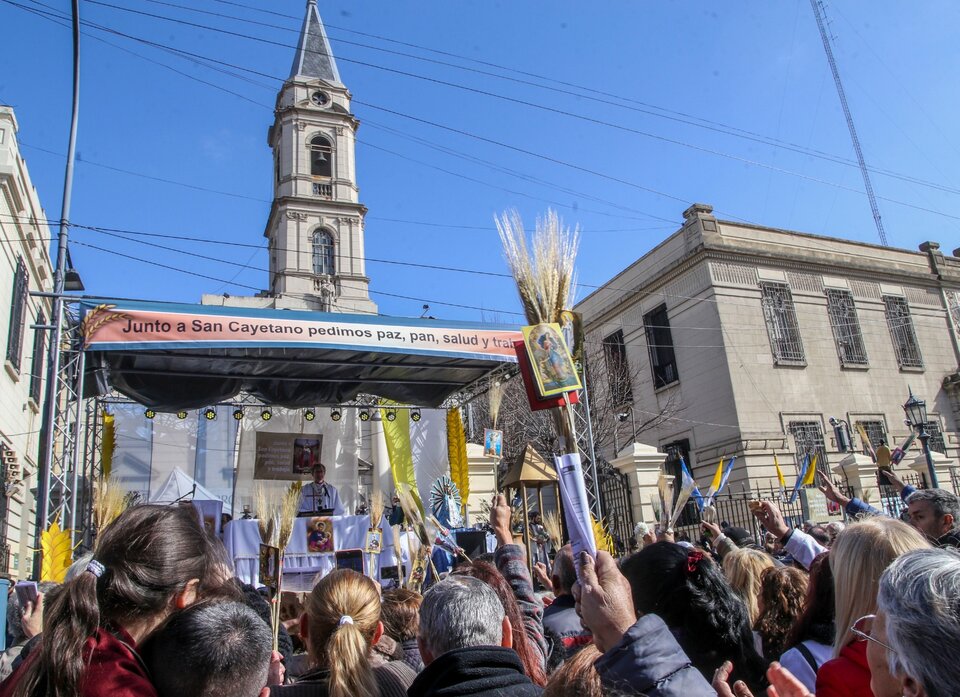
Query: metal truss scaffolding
[[59, 476]]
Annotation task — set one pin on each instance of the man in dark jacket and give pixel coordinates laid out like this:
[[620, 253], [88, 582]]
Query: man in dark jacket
[[466, 643], [561, 617]]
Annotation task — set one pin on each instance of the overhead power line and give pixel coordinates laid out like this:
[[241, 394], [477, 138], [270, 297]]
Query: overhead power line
[[515, 100], [511, 99], [818, 11]]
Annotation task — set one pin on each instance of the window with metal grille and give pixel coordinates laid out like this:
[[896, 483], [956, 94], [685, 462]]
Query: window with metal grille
[[18, 314], [904, 337], [663, 361], [36, 367], [846, 327], [323, 254], [875, 431], [808, 437], [618, 368], [321, 157], [936, 441], [782, 327]]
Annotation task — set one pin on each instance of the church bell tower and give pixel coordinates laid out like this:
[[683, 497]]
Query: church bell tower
[[316, 223]]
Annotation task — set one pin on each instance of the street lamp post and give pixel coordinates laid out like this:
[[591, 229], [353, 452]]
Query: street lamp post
[[916, 410]]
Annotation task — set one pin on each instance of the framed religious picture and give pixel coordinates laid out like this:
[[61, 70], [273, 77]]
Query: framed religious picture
[[320, 536], [306, 454], [492, 443], [270, 566], [374, 543], [551, 366]]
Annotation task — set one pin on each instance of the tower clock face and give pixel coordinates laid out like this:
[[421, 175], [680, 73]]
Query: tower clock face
[[319, 98]]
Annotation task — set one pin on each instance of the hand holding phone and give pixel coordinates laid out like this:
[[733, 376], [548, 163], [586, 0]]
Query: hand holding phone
[[26, 592]]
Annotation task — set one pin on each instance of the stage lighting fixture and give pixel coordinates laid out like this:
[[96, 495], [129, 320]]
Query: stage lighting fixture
[[415, 415], [391, 415], [181, 414], [238, 414], [365, 415], [309, 414], [266, 414], [210, 414], [335, 414], [149, 413]]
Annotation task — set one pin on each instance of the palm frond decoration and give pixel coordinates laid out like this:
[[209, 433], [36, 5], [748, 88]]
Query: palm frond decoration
[[457, 453], [445, 502], [56, 549], [602, 535]]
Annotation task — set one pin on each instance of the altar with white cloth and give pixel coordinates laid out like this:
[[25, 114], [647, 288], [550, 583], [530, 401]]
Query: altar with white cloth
[[302, 568]]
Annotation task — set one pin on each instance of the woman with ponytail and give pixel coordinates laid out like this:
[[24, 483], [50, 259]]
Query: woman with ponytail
[[690, 594], [151, 561], [340, 626]]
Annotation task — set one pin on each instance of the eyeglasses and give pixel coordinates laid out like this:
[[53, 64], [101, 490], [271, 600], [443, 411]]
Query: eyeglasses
[[862, 628]]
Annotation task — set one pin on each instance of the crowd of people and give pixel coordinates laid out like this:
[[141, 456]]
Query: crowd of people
[[869, 609]]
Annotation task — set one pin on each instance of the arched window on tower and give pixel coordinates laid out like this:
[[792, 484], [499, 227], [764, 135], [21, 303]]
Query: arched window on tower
[[321, 157], [323, 256]]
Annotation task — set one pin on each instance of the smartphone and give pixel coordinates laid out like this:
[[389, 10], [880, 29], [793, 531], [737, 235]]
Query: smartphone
[[26, 592], [391, 573], [350, 559]]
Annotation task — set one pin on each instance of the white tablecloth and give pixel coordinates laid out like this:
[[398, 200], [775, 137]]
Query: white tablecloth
[[301, 568]]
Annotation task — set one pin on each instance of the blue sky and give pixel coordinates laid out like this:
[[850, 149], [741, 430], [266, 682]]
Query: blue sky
[[659, 91]]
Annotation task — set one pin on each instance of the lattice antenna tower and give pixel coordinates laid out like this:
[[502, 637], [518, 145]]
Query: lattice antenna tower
[[819, 11]]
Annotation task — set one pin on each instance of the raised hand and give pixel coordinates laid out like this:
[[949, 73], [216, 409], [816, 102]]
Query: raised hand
[[604, 601]]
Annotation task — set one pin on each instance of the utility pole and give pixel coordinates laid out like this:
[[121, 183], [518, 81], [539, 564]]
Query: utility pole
[[52, 403]]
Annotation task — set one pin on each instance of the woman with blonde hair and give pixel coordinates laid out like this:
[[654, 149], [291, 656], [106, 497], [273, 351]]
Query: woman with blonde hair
[[340, 625], [858, 558], [744, 568]]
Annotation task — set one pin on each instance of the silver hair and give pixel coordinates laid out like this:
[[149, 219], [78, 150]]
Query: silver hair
[[920, 597], [943, 502], [459, 612]]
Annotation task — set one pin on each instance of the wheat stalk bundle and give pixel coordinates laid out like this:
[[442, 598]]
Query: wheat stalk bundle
[[377, 507], [544, 271], [265, 503], [109, 501], [494, 399], [287, 508], [284, 514], [551, 523]]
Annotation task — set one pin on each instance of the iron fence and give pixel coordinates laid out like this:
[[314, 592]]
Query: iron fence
[[617, 508], [733, 509]]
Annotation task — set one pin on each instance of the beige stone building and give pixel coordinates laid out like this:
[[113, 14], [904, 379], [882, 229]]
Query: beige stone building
[[24, 267], [746, 341]]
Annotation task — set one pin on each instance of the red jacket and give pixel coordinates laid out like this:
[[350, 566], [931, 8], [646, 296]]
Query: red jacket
[[114, 668], [848, 675]]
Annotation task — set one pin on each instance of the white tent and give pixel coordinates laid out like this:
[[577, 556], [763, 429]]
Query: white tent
[[181, 486]]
